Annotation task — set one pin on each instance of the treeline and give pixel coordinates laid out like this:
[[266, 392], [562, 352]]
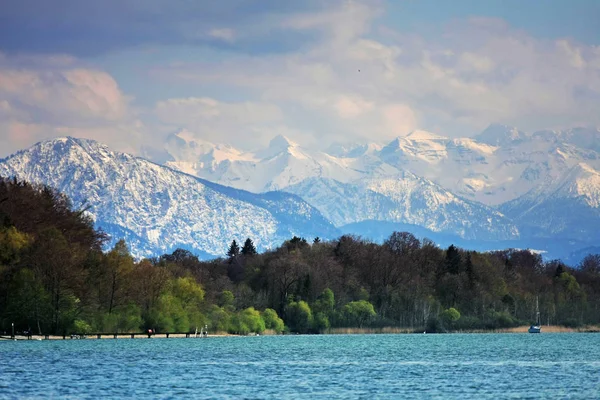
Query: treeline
[[55, 278]]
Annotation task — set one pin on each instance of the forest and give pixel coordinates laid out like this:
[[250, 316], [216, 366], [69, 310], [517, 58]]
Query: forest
[[56, 277]]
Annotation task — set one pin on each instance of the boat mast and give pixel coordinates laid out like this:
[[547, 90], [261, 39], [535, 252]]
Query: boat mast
[[537, 311]]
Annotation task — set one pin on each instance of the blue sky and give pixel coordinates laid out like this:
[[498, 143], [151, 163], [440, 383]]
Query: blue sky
[[130, 72]]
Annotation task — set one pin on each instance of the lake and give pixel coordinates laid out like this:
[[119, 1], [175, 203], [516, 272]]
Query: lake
[[326, 366]]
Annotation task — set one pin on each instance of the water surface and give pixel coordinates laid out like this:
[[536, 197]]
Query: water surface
[[325, 366]]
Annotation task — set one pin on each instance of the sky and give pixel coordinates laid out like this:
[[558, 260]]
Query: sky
[[130, 72]]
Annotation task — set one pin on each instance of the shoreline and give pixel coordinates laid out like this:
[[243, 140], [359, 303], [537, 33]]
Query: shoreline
[[334, 331], [518, 329]]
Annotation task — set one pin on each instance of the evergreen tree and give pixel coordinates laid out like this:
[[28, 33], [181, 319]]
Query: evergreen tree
[[560, 269], [248, 249], [234, 250], [453, 260], [317, 240], [469, 270]]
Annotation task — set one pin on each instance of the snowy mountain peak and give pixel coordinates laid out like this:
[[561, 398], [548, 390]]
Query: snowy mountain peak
[[498, 135], [392, 146], [352, 150], [157, 209], [423, 135], [281, 143]]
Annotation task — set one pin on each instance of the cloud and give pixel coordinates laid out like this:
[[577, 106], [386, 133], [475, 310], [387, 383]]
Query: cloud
[[365, 80], [82, 28], [319, 71], [42, 98], [235, 122], [226, 34]]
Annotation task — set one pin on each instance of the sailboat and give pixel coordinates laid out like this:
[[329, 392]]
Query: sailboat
[[537, 328]]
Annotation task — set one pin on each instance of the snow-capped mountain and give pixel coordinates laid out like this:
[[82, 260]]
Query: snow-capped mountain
[[499, 165], [405, 199], [501, 184], [281, 164], [568, 208], [158, 209]]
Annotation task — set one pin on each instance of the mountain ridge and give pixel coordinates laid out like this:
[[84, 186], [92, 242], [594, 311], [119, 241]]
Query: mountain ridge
[[159, 208]]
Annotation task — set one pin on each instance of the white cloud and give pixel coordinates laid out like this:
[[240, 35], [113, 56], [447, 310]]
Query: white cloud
[[45, 97], [225, 34], [480, 71], [353, 78], [219, 121]]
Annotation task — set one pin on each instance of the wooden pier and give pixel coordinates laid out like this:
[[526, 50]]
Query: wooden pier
[[120, 335]]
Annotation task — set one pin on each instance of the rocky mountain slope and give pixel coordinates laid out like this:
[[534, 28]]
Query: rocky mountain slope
[[158, 209]]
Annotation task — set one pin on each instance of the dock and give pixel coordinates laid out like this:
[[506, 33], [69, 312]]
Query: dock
[[96, 336]]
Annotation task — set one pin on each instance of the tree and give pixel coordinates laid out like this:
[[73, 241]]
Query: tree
[[272, 320], [12, 244], [359, 313], [61, 269], [450, 315], [296, 243], [402, 243], [248, 249], [219, 320], [470, 271], [321, 322], [299, 316], [226, 299], [234, 250], [28, 303], [119, 266], [591, 264], [325, 303], [248, 320], [453, 261]]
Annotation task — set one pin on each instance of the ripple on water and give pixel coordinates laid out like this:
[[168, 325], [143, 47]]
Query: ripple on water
[[342, 366]]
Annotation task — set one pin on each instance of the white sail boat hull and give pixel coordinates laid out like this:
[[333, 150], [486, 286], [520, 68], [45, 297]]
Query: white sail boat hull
[[536, 328]]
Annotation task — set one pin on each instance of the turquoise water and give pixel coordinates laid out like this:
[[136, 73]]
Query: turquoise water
[[326, 366]]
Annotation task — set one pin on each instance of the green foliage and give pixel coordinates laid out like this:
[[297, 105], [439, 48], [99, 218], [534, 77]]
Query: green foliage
[[219, 320], [359, 313], [226, 299], [169, 315], [325, 303], [272, 320], [124, 319], [54, 278], [178, 309], [321, 322], [28, 303], [247, 321], [81, 327], [503, 319], [12, 244], [450, 315], [188, 291], [299, 317]]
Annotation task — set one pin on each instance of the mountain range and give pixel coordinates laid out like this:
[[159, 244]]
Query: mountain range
[[158, 209], [501, 188]]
